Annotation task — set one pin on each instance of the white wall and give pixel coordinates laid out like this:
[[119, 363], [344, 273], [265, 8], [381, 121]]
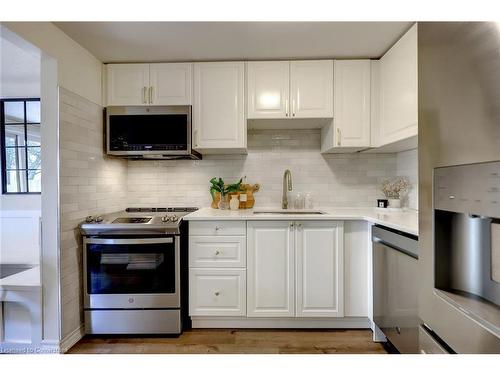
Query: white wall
[[19, 78], [67, 64], [20, 237], [78, 70], [19, 71]]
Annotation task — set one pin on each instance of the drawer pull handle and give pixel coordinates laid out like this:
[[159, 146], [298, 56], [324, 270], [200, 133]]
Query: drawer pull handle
[[217, 294], [218, 228], [217, 252]]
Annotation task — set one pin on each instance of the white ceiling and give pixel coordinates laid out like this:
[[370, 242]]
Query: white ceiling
[[204, 41]]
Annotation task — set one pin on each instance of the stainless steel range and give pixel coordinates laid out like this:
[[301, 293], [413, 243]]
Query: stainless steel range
[[135, 271]]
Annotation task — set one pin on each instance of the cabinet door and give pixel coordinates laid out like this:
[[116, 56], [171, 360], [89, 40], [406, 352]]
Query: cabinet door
[[268, 89], [352, 103], [398, 90], [319, 247], [127, 84], [270, 269], [171, 84], [219, 113], [311, 89]]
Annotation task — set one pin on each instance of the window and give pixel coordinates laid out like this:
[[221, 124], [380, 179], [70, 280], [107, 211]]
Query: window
[[20, 142]]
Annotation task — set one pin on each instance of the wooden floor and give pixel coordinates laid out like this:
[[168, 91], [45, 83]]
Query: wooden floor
[[237, 341]]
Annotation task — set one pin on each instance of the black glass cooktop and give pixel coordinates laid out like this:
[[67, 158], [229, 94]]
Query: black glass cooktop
[[132, 220]]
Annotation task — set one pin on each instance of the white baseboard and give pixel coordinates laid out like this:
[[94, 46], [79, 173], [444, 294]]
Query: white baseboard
[[71, 339], [281, 323]]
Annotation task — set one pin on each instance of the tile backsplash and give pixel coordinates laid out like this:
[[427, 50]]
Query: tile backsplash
[[334, 180], [407, 165]]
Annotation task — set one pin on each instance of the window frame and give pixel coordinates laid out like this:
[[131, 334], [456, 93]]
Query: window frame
[[3, 147]]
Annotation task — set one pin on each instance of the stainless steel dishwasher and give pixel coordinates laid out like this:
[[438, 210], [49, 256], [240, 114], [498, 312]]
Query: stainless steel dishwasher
[[395, 287]]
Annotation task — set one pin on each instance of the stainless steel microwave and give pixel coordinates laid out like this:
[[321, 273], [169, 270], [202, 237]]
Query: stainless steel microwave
[[150, 132]]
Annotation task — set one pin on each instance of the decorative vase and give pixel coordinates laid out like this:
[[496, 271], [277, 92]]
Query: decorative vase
[[223, 204], [234, 203], [395, 203]]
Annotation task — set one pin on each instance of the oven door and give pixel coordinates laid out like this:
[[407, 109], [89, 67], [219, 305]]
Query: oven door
[[128, 273]]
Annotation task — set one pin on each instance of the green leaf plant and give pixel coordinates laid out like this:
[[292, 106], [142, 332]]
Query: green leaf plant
[[218, 185]]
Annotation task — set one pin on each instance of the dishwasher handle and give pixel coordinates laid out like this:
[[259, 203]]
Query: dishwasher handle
[[399, 241], [393, 247]]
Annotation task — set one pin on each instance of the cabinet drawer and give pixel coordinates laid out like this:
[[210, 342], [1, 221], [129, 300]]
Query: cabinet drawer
[[220, 292], [211, 251], [217, 228]]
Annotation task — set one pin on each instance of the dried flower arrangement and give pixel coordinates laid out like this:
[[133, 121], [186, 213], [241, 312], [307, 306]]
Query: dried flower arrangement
[[394, 188]]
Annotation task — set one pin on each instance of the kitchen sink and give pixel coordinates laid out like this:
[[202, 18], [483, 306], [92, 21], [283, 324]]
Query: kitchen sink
[[289, 212]]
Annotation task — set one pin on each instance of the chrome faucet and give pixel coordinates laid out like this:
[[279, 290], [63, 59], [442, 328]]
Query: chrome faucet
[[287, 186]]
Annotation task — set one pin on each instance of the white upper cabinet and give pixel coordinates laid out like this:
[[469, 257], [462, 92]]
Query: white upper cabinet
[[268, 89], [398, 91], [350, 129], [270, 269], [290, 89], [219, 107], [352, 103], [319, 253], [311, 89], [171, 84], [149, 84], [128, 84]]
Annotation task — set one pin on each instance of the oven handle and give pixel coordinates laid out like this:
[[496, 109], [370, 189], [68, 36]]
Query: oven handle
[[128, 241]]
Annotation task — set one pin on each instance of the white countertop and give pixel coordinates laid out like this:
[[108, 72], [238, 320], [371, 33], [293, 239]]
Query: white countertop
[[403, 220], [28, 280]]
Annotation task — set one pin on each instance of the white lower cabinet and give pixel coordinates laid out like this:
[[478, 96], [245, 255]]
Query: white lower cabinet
[[319, 269], [217, 268], [270, 265], [220, 292], [266, 269], [295, 269]]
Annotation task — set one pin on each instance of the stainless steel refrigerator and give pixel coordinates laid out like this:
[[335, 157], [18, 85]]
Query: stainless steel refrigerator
[[459, 184]]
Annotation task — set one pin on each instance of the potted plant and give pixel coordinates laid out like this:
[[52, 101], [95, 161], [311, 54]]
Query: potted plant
[[219, 191], [393, 190]]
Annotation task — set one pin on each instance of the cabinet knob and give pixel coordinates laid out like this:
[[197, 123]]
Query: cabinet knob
[[217, 252], [299, 225], [217, 293], [291, 225], [218, 228]]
